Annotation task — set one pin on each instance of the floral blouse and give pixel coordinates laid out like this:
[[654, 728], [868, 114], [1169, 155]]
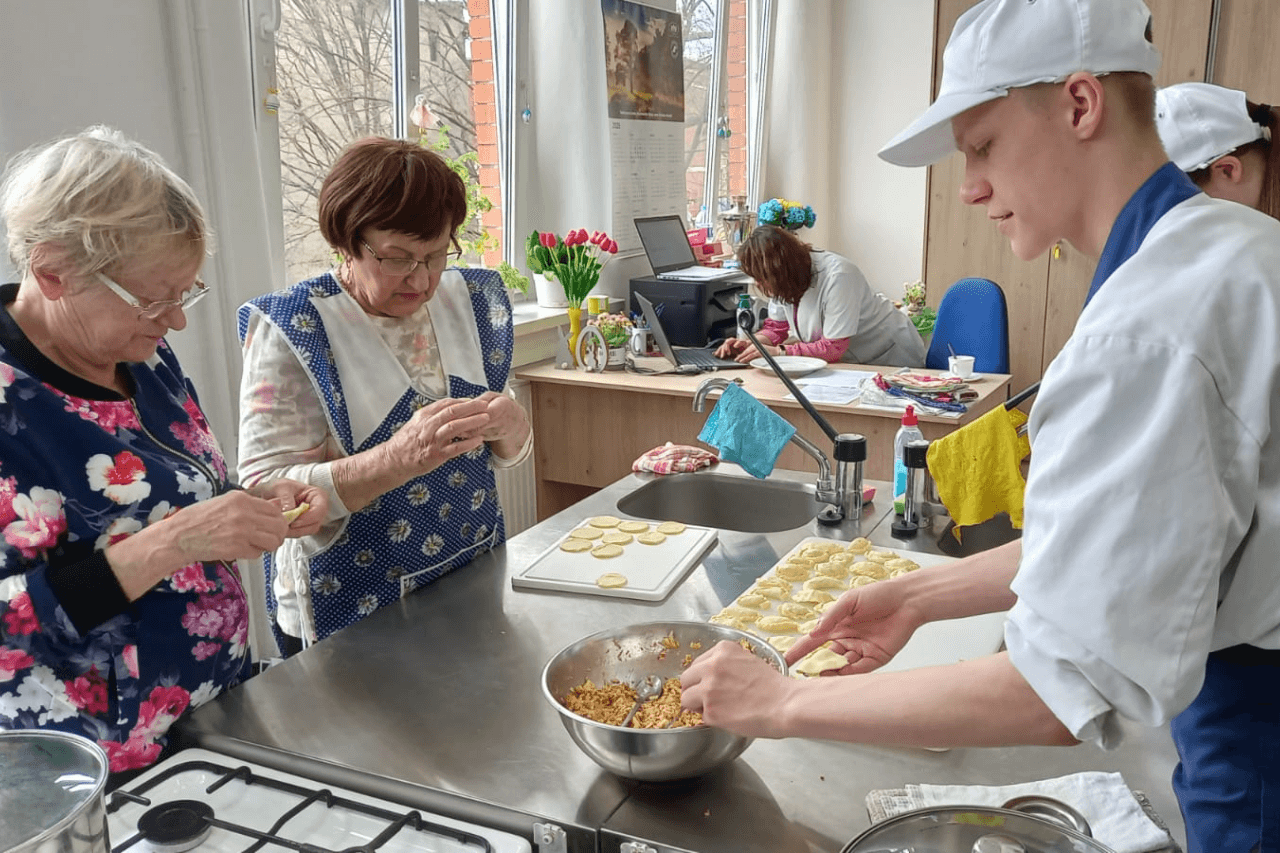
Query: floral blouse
[[82, 467]]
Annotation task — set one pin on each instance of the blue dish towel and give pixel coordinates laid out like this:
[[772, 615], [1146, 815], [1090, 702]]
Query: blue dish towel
[[746, 431]]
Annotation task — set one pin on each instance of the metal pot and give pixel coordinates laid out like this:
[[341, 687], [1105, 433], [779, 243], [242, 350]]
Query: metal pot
[[1024, 825], [53, 799]]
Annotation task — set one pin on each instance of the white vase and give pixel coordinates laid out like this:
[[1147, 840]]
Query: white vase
[[550, 293]]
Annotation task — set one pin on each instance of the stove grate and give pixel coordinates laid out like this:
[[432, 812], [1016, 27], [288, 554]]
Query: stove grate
[[396, 820]]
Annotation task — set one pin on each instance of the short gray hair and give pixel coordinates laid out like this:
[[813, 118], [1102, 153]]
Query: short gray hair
[[99, 197]]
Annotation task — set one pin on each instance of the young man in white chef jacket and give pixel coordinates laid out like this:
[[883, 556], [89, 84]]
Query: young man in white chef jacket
[[1147, 581]]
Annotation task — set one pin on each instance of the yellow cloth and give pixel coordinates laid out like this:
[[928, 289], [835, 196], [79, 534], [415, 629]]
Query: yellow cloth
[[978, 470]]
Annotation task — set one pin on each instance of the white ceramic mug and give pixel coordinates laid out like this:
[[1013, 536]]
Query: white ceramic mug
[[639, 343], [961, 365]]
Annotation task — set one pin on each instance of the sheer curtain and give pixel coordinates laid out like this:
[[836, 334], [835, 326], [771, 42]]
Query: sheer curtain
[[843, 77]]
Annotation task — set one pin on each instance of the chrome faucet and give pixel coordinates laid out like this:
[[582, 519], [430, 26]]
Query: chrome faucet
[[841, 494]]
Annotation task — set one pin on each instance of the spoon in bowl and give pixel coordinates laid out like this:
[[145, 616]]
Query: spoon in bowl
[[648, 689]]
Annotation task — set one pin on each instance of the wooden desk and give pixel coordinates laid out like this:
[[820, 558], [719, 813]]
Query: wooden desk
[[589, 427]]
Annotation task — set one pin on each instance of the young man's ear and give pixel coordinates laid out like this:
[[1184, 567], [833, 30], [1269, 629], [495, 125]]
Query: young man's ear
[[1085, 98], [1228, 167]]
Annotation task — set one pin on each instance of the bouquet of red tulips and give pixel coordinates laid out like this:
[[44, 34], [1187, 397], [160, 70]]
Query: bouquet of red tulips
[[576, 261]]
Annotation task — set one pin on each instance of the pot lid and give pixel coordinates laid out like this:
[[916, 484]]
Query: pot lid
[[49, 776], [962, 829]]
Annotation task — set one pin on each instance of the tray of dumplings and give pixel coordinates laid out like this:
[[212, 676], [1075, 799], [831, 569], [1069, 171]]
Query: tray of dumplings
[[785, 603]]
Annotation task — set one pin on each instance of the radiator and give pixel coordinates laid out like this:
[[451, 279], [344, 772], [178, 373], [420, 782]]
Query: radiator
[[516, 487]]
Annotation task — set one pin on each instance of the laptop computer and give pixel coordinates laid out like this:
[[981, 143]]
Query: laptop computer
[[666, 245], [701, 359]]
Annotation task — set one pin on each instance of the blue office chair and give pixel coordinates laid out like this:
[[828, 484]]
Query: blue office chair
[[973, 320]]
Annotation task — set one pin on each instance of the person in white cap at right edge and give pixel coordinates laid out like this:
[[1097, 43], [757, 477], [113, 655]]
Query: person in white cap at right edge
[[1146, 584], [1223, 141]]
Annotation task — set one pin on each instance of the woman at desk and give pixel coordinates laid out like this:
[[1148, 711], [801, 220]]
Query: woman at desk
[[822, 304]]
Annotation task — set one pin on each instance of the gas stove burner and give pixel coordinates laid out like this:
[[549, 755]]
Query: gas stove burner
[[176, 826]]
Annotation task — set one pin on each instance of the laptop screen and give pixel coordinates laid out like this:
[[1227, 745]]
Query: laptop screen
[[655, 326], [665, 243]]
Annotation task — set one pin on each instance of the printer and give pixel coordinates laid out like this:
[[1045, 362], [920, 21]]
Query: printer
[[696, 304], [693, 313]]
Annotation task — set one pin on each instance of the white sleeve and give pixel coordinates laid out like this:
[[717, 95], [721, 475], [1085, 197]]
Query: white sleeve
[[283, 429], [1138, 494]]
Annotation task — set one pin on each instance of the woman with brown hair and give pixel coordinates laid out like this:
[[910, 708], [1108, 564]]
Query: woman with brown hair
[[820, 305], [381, 382], [1223, 141]]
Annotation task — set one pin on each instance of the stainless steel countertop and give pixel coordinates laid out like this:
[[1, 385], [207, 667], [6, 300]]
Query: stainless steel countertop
[[436, 702]]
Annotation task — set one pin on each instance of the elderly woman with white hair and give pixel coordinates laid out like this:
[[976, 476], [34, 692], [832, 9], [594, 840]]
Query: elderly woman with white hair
[[120, 602]]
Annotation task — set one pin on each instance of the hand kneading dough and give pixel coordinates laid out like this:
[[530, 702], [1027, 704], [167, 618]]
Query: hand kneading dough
[[819, 661], [575, 545], [611, 580], [587, 533], [633, 526], [651, 538], [604, 521], [290, 515], [604, 552]]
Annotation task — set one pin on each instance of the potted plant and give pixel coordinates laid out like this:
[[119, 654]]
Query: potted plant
[[922, 316], [576, 262], [616, 329], [538, 258]]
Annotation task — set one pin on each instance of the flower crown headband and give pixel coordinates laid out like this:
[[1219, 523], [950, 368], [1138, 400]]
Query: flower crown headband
[[791, 215]]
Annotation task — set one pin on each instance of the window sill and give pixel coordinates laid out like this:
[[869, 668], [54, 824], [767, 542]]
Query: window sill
[[537, 332]]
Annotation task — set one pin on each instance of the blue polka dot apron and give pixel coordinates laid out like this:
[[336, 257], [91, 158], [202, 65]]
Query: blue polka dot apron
[[412, 535]]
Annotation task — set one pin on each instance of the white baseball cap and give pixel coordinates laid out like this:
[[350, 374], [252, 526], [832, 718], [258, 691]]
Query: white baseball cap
[[1000, 45], [1200, 122]]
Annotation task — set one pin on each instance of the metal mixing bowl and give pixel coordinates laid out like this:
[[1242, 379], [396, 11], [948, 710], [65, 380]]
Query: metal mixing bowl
[[628, 654]]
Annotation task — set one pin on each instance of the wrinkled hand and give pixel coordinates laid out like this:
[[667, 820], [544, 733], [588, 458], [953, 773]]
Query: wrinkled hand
[[868, 624], [236, 525], [437, 433], [288, 494], [735, 690], [506, 418], [731, 347]]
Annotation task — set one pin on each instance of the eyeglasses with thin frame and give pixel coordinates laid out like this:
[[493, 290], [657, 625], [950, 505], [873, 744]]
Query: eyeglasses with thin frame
[[404, 266], [155, 310]]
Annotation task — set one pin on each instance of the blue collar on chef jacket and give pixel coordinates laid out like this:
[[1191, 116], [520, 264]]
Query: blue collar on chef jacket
[[1168, 187]]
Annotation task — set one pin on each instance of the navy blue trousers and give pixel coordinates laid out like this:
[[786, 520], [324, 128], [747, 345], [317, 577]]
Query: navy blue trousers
[[1228, 740]]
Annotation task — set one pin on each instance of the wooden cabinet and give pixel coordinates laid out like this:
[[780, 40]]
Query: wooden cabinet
[[1045, 295]]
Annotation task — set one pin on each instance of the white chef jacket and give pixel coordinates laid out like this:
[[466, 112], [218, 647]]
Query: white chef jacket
[[840, 304], [1153, 454]]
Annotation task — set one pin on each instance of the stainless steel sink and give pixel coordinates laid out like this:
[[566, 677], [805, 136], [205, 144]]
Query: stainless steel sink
[[746, 505]]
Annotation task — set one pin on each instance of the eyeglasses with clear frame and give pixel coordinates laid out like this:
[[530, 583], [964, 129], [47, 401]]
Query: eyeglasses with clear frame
[[155, 310], [404, 266]]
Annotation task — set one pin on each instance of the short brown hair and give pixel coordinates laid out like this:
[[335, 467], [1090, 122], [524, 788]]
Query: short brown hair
[[780, 259], [390, 184]]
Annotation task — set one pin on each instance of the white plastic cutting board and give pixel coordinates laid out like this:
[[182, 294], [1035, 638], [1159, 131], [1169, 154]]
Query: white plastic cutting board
[[652, 571]]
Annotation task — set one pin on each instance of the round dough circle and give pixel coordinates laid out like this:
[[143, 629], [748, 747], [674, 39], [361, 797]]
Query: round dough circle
[[614, 537], [587, 533], [611, 580], [633, 526], [605, 521], [573, 546], [651, 538], [604, 552], [671, 528]]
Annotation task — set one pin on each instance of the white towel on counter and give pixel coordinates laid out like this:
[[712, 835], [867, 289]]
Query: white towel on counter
[[1115, 816]]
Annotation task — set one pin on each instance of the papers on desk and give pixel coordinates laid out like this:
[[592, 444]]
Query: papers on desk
[[838, 387]]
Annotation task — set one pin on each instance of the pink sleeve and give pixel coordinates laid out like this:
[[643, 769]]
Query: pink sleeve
[[827, 349], [774, 331]]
